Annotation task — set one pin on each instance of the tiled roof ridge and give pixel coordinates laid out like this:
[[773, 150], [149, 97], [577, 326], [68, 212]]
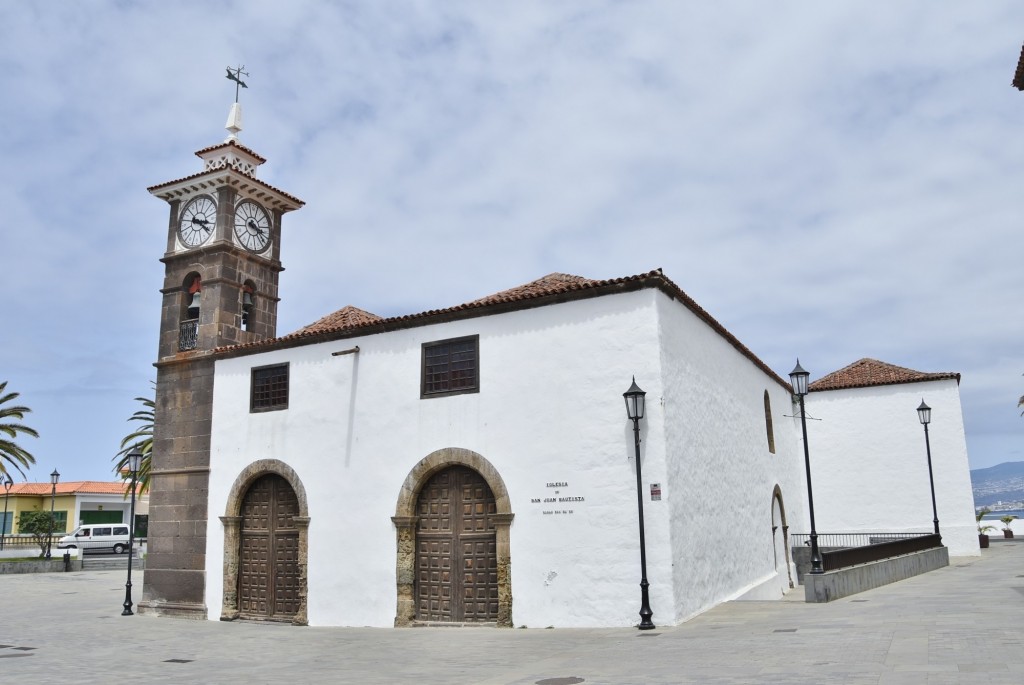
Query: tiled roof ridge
[[229, 143], [488, 301], [345, 317], [868, 372], [218, 170], [557, 287], [545, 285], [94, 487]]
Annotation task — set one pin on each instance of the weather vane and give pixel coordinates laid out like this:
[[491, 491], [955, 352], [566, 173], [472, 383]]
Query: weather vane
[[236, 76]]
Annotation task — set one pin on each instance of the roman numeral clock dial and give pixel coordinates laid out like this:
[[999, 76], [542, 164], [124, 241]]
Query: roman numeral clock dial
[[252, 226], [197, 221]]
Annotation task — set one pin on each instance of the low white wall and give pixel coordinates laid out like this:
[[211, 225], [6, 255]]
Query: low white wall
[[869, 464]]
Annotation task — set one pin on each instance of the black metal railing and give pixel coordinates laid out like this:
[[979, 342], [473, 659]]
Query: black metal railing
[[188, 333], [842, 550], [846, 540]]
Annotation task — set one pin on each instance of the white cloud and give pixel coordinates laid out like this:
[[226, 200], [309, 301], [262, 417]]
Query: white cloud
[[828, 180]]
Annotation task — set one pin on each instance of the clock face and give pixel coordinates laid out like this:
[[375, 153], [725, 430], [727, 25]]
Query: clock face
[[197, 221], [252, 226]]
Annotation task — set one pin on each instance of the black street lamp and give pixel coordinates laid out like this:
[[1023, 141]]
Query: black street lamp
[[798, 377], [924, 413], [635, 411], [54, 477], [134, 461], [3, 525]]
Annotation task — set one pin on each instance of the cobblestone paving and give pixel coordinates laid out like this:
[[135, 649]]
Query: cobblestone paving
[[958, 625]]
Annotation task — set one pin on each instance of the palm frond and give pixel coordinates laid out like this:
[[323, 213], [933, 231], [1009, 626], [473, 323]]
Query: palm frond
[[142, 438], [12, 454]]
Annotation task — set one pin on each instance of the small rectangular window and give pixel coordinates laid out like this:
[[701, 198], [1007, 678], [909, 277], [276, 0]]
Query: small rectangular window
[[269, 388], [451, 367]]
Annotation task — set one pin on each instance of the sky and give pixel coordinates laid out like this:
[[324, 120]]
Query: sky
[[830, 181]]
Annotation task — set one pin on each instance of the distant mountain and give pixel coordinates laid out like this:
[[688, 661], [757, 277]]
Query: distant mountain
[[1002, 483]]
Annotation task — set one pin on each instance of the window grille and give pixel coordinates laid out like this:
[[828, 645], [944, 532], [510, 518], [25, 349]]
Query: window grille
[[451, 367], [269, 388]]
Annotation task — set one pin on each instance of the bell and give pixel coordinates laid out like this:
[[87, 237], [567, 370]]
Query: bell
[[246, 301], [193, 308]]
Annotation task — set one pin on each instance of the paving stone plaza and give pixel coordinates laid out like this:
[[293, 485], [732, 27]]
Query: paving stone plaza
[[960, 624]]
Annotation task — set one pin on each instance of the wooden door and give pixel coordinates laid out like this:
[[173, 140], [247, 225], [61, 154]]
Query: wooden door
[[268, 574], [456, 556]]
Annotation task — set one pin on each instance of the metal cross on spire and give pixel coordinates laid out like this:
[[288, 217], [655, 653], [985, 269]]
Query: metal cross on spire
[[236, 76]]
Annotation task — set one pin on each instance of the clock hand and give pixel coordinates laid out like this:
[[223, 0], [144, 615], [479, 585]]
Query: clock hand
[[203, 223]]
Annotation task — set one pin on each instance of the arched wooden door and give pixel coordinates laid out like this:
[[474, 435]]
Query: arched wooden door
[[456, 560], [268, 574]]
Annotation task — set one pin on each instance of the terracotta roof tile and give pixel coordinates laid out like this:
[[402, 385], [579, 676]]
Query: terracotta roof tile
[[232, 143], [550, 289], [871, 372], [345, 317], [220, 170], [73, 487], [546, 285]]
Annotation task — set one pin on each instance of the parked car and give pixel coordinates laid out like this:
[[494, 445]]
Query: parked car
[[101, 536]]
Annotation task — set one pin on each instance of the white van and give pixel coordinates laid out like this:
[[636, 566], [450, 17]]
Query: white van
[[98, 536]]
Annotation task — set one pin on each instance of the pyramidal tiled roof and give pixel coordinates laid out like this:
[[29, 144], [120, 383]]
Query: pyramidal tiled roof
[[346, 317], [73, 487], [545, 285], [870, 372]]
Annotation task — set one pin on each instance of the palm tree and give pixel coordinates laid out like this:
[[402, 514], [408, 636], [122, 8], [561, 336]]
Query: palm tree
[[141, 437], [10, 452]]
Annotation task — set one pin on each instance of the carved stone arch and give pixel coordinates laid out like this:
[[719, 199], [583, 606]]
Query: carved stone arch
[[232, 520], [405, 520], [782, 525]]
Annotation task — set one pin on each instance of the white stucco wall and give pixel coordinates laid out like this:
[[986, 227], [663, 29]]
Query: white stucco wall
[[869, 465], [720, 467], [550, 410]]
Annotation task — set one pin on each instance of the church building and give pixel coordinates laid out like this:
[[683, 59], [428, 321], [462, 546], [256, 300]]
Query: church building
[[476, 464]]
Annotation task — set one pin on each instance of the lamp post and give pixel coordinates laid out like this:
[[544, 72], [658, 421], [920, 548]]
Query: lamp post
[[134, 461], [635, 411], [924, 413], [54, 477], [798, 377], [7, 492]]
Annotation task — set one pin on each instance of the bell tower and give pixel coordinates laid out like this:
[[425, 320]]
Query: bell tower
[[221, 271]]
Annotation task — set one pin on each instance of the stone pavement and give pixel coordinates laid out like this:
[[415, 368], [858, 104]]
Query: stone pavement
[[961, 624]]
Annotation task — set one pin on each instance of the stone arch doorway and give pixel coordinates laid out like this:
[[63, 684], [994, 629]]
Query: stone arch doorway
[[266, 526], [452, 523], [780, 529]]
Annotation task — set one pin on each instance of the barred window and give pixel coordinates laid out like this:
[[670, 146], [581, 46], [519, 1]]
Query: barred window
[[451, 367], [269, 388]]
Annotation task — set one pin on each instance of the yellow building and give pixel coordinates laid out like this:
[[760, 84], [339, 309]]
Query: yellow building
[[74, 503]]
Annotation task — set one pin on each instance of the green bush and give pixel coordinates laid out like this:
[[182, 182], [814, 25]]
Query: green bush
[[38, 524]]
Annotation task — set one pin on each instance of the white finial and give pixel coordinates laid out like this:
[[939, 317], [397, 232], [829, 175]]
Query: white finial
[[234, 124]]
